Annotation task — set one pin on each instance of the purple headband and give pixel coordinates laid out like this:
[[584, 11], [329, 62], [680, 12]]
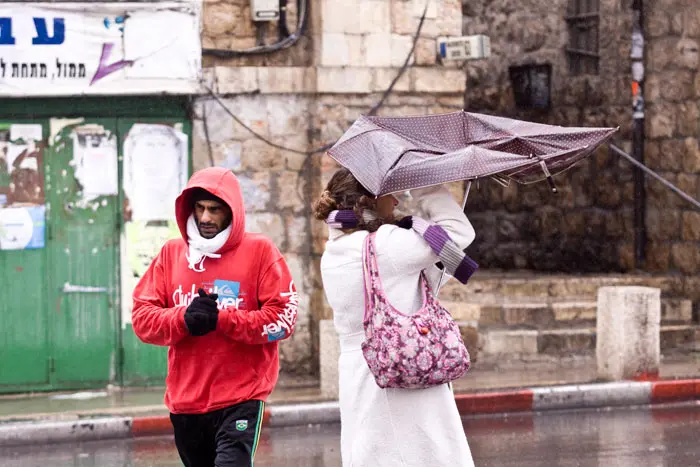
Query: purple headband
[[343, 219]]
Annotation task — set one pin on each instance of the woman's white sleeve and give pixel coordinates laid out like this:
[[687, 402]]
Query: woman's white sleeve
[[406, 250]]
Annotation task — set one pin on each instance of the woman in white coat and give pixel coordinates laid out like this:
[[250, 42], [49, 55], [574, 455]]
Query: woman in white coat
[[388, 427]]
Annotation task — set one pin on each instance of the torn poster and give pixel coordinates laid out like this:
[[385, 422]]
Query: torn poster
[[21, 164], [22, 228], [155, 170], [95, 162]]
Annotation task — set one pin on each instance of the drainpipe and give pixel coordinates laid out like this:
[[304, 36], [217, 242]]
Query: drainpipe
[[638, 136]]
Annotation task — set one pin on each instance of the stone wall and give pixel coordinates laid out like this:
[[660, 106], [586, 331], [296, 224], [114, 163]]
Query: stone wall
[[587, 226], [303, 98], [673, 133]]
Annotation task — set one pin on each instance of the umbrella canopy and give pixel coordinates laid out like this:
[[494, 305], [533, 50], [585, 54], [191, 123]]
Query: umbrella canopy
[[394, 154]]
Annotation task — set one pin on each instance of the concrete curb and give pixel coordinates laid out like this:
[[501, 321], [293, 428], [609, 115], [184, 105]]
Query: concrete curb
[[521, 400]]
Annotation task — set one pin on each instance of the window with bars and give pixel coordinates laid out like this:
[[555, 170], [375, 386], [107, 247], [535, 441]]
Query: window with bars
[[583, 19]]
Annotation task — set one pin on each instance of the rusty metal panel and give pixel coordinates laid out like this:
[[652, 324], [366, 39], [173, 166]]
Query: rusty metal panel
[[84, 212], [24, 347]]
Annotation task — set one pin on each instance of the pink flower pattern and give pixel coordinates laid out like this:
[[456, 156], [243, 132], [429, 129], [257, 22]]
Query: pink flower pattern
[[418, 351]]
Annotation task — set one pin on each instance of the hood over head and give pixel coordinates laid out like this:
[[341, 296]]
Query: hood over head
[[222, 183]]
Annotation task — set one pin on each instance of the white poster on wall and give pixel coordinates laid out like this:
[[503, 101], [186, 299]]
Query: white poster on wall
[[49, 49], [95, 161], [155, 170]]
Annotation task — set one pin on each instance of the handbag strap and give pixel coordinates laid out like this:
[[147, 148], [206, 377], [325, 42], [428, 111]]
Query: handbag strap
[[370, 270]]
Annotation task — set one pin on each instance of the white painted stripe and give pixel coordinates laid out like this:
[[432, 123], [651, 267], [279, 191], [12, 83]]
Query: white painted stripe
[[48, 432], [592, 395], [304, 414]]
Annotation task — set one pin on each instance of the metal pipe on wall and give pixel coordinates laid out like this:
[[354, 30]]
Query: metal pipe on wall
[[638, 135]]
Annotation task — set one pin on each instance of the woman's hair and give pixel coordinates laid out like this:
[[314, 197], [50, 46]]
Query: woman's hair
[[345, 192]]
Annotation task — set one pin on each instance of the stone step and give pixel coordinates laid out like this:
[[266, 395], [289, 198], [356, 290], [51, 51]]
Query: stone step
[[552, 314], [487, 286], [560, 341]]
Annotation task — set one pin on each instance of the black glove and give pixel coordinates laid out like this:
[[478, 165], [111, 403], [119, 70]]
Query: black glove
[[202, 314], [406, 222]]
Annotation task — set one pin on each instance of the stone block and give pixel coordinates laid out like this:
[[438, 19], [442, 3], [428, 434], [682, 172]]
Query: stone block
[[219, 123], [661, 122], [400, 48], [471, 338], [566, 341], [533, 314], [691, 288], [285, 80], [688, 52], [335, 49], [287, 116], [426, 53], [658, 25], [574, 311], [691, 157], [510, 342], [297, 234], [220, 18], [344, 80], [689, 183], [686, 257], [267, 223], [236, 80], [405, 22], [290, 187], [676, 310], [337, 16], [329, 350], [378, 50], [671, 154], [375, 16], [628, 330], [673, 337], [383, 78], [256, 191], [249, 109], [437, 80], [260, 156], [677, 85], [658, 256], [691, 226], [663, 224], [228, 155], [688, 119], [462, 311]]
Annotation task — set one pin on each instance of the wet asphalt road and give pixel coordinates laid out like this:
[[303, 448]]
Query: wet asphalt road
[[635, 437]]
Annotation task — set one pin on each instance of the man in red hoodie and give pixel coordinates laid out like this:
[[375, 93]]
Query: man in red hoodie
[[220, 298]]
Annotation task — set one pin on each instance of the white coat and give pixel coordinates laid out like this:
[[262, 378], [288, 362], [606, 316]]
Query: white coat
[[392, 427]]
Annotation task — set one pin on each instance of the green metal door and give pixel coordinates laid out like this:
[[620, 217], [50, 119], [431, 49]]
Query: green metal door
[[24, 332], [83, 195], [160, 157]]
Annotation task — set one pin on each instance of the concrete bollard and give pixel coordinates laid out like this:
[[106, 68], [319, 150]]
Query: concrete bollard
[[628, 333], [329, 348]]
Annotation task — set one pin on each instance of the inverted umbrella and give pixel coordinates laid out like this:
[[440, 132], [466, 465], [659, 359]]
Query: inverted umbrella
[[394, 154]]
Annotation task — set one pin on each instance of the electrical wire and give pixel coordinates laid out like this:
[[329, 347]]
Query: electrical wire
[[372, 111], [303, 12], [648, 171]]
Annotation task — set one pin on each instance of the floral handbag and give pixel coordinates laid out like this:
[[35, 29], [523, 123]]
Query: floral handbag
[[417, 351]]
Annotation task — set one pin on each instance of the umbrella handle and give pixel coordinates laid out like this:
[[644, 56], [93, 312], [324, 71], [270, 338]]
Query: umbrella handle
[[464, 205]]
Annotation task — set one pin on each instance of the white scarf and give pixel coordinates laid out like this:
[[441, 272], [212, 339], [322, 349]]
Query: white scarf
[[200, 247]]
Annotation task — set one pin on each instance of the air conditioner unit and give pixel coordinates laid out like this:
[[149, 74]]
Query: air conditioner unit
[[475, 47]]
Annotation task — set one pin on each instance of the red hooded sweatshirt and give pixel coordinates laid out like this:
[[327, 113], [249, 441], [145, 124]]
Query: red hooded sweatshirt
[[257, 308]]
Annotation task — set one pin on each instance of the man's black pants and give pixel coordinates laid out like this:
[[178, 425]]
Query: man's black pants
[[224, 438]]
